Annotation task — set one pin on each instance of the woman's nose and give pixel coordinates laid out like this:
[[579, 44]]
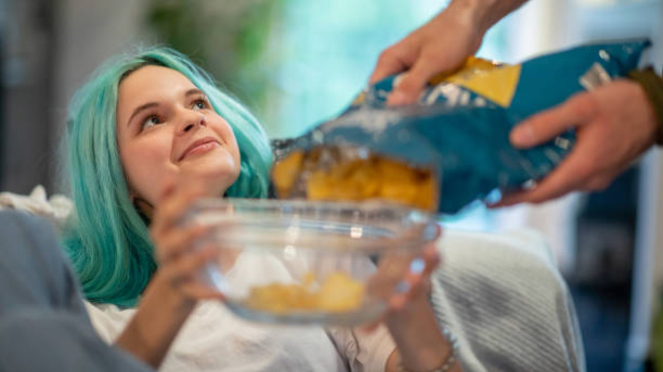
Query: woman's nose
[[191, 121]]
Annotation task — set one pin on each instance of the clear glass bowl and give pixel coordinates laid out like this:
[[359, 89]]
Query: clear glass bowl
[[300, 262]]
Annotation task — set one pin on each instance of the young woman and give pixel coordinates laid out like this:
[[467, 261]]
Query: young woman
[[148, 134]]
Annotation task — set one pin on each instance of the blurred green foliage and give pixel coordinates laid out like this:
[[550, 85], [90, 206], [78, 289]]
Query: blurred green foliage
[[228, 38]]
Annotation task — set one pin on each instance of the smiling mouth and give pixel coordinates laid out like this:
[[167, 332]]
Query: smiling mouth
[[200, 149]]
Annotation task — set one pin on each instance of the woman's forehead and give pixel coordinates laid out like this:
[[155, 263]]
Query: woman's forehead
[[150, 85], [154, 78]]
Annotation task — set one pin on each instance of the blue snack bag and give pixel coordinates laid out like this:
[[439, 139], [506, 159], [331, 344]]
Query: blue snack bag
[[451, 147]]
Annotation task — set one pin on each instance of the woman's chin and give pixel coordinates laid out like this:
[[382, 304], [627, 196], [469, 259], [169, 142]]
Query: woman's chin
[[215, 180]]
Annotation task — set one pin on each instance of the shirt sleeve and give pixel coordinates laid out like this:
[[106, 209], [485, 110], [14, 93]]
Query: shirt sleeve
[[363, 351], [652, 84]]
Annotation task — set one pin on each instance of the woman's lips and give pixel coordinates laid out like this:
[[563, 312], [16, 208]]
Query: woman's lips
[[201, 148]]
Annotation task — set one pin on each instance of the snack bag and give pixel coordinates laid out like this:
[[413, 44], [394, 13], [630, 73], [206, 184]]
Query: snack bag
[[451, 147]]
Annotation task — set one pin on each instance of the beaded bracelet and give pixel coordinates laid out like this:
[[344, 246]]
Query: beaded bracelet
[[451, 359]]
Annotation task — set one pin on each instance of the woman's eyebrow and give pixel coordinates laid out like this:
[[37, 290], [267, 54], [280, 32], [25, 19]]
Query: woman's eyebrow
[[193, 91], [141, 108]]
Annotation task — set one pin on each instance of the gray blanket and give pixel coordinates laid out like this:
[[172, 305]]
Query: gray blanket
[[504, 299]]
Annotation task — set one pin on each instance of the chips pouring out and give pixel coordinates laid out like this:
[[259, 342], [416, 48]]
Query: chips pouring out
[[330, 174]]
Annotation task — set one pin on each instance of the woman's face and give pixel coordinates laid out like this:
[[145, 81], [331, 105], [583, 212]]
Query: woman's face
[[167, 132]]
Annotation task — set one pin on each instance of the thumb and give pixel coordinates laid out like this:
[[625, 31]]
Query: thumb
[[545, 126]]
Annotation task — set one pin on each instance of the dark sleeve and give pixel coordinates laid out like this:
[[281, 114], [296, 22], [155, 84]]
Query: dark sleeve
[[652, 84], [34, 272], [43, 323], [55, 340]]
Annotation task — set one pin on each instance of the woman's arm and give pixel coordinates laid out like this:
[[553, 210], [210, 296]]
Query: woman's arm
[[173, 291], [151, 331], [421, 345]]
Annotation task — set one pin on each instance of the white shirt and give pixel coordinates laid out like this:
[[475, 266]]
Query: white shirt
[[214, 339]]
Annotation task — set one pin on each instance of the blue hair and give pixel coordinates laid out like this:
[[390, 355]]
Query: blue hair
[[106, 238]]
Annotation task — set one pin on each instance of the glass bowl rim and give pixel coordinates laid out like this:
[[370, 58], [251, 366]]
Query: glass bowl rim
[[415, 237]]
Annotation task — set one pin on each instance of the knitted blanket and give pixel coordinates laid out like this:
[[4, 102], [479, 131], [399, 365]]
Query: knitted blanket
[[504, 299]]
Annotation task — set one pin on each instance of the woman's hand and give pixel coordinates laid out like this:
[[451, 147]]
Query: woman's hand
[[614, 125], [179, 259], [174, 289], [421, 346], [415, 286], [405, 281]]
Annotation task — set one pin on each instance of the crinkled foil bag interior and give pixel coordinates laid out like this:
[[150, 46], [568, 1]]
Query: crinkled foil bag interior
[[451, 147]]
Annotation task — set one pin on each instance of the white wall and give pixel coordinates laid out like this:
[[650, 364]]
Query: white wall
[[544, 26]]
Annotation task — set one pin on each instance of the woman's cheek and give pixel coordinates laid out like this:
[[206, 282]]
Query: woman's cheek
[[147, 168]]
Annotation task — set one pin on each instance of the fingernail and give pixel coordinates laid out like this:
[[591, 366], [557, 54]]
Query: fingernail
[[522, 135], [417, 266]]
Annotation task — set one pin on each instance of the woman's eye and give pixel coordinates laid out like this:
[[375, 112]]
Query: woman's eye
[[150, 122], [200, 104]]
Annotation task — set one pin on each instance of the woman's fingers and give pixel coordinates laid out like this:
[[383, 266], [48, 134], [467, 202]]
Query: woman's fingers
[[178, 241], [180, 257], [416, 281], [170, 239], [403, 279], [172, 207], [418, 285], [183, 273], [431, 257]]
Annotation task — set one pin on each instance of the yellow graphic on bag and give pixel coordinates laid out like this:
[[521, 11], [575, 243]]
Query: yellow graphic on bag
[[497, 82]]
